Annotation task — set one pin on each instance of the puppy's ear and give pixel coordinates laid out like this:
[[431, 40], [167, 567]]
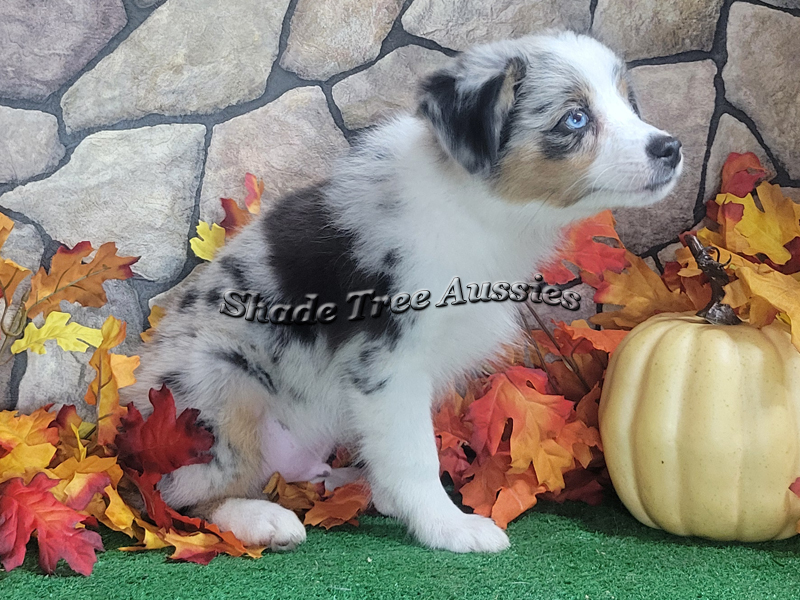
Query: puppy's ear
[[468, 106]]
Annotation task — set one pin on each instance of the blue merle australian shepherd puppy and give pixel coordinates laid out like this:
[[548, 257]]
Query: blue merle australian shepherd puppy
[[510, 143]]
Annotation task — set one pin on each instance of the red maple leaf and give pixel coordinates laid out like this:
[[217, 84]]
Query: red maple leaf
[[741, 173], [28, 508], [235, 217], [163, 442]]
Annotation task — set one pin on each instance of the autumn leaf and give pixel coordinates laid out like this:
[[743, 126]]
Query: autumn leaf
[[210, 238], [75, 281], [740, 173], [255, 188], [606, 340], [156, 314], [6, 225], [765, 231], [28, 508], [71, 337], [781, 292], [71, 432], [340, 506], [297, 497], [494, 491], [536, 419], [11, 275], [112, 374], [515, 497], [581, 485], [581, 248], [164, 442], [641, 293], [235, 217], [118, 515], [578, 439], [487, 476], [80, 480], [27, 443], [795, 487]]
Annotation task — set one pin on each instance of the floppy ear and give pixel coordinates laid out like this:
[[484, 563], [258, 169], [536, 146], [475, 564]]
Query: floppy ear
[[468, 110]]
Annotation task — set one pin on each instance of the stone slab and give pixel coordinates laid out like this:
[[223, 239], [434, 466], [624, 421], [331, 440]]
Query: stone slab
[[134, 187], [188, 57], [289, 143], [44, 44]]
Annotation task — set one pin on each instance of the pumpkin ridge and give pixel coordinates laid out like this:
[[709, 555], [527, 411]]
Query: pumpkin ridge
[[664, 327]]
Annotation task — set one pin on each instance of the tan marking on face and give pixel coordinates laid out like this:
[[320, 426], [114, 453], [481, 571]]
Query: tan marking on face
[[525, 175]]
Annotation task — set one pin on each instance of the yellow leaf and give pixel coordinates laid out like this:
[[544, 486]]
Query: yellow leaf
[[81, 446], [6, 225], [26, 429], [122, 367], [24, 458], [150, 539], [210, 239], [765, 231], [71, 337], [156, 314], [104, 390], [118, 515], [779, 290]]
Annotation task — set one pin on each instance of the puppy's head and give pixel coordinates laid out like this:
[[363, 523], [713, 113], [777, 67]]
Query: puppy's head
[[550, 119]]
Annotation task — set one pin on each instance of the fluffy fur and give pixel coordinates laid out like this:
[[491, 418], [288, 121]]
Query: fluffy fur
[[477, 184]]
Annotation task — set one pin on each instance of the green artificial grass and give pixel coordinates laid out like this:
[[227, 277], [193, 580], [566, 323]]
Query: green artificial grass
[[572, 551]]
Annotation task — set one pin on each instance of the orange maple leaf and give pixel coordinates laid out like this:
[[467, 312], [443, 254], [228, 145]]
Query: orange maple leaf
[[341, 506], [641, 293], [582, 250], [536, 420], [298, 497], [75, 281]]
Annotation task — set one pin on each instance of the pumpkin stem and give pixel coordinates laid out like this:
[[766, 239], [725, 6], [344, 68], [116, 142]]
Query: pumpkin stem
[[715, 312]]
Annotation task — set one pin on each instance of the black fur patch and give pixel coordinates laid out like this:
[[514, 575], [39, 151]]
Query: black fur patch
[[253, 370], [189, 299], [310, 254], [214, 297], [231, 267], [391, 259], [367, 386], [468, 121]]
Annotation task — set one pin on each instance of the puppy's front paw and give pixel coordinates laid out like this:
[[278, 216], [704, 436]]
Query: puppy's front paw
[[462, 533], [260, 523]]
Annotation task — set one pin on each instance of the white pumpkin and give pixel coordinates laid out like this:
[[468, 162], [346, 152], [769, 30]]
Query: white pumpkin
[[701, 427]]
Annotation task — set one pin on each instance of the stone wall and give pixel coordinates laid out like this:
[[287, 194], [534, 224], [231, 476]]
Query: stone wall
[[126, 120]]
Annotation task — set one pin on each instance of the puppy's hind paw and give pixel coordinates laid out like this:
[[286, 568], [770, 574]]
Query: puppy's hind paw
[[260, 523], [462, 533]]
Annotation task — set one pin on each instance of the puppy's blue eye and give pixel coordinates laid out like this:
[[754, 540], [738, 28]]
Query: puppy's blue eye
[[576, 119]]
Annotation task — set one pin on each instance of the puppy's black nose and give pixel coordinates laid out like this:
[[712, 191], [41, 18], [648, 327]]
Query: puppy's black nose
[[664, 149]]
